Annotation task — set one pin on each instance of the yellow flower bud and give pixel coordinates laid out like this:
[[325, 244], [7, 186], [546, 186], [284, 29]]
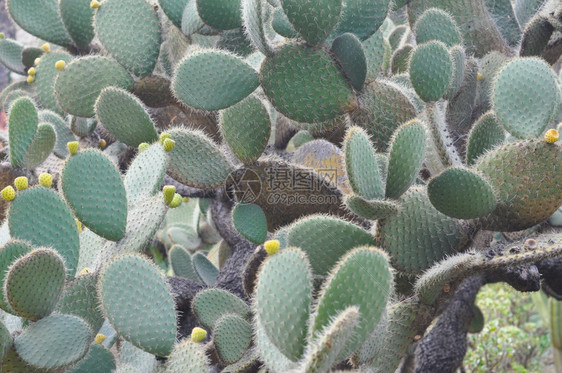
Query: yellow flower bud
[[169, 192], [102, 143], [95, 4], [30, 79], [198, 334], [72, 147], [21, 183], [164, 136], [31, 71], [36, 61], [271, 247], [143, 146], [46, 47], [8, 193], [99, 338], [176, 201], [551, 136], [169, 144], [46, 180], [60, 65]]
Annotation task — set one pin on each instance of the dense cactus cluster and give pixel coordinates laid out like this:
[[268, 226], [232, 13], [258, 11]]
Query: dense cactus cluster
[[273, 185]]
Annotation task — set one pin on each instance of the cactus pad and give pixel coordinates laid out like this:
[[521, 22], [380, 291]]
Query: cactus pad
[[9, 253], [148, 291], [78, 17], [232, 337], [80, 298], [484, 136], [63, 133], [362, 17], [325, 13], [11, 55], [98, 360], [93, 187], [145, 174], [212, 304], [220, 15], [174, 9], [41, 146], [205, 269], [254, 13], [22, 121], [250, 221], [373, 209], [431, 69], [437, 24], [348, 50], [187, 357], [180, 260]]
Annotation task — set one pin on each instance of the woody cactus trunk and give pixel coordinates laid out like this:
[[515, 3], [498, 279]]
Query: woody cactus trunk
[[273, 185]]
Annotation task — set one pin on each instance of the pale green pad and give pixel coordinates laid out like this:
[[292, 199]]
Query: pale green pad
[[400, 61], [437, 24], [377, 51], [22, 122], [130, 31], [78, 86], [269, 353], [6, 341], [63, 133], [98, 360], [9, 253], [313, 20], [205, 269], [55, 341], [525, 96], [361, 164], [220, 14], [348, 50], [254, 14], [419, 235], [362, 278], [213, 80], [174, 9], [45, 77], [373, 209], [362, 17], [196, 160], [246, 127], [283, 295], [41, 20], [41, 146], [188, 357], [406, 156], [40, 216], [190, 20], [460, 193], [211, 304], [154, 329], [92, 185], [124, 116], [232, 337], [305, 84], [326, 239], [34, 283], [80, 298], [78, 16], [431, 69], [145, 174], [181, 264], [485, 134], [281, 24], [11, 55], [250, 221]]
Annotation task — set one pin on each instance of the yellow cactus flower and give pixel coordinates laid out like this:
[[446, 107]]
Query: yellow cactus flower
[[31, 71], [46, 180], [271, 247], [164, 136], [46, 47], [551, 136], [60, 65], [21, 183], [169, 193], [198, 334], [176, 201], [72, 147], [30, 78], [99, 338], [143, 146], [8, 193], [169, 145], [36, 61], [95, 4]]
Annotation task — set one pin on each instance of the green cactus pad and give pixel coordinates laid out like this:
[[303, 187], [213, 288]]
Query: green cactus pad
[[373, 209], [419, 235], [6, 341], [536, 36], [98, 360], [377, 51], [213, 80], [232, 337], [361, 164], [348, 50], [181, 264], [431, 69], [80, 298], [41, 20], [485, 134], [460, 193], [211, 304], [490, 65], [45, 78], [503, 14], [145, 174], [80, 83], [11, 55], [325, 13], [136, 358], [196, 160], [362, 278], [41, 146], [9, 253], [205, 269], [220, 15], [124, 116], [326, 239], [250, 221], [130, 31], [527, 176], [246, 128], [406, 156], [22, 121], [55, 341], [78, 17], [400, 61], [63, 133], [93, 188], [313, 77], [40, 216], [269, 353], [253, 15], [34, 283], [398, 36], [30, 54], [437, 24], [90, 247], [362, 17], [322, 354], [459, 62], [525, 96], [174, 9], [188, 357], [82, 127], [190, 20], [382, 108], [155, 330], [236, 41], [281, 24], [283, 295]]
